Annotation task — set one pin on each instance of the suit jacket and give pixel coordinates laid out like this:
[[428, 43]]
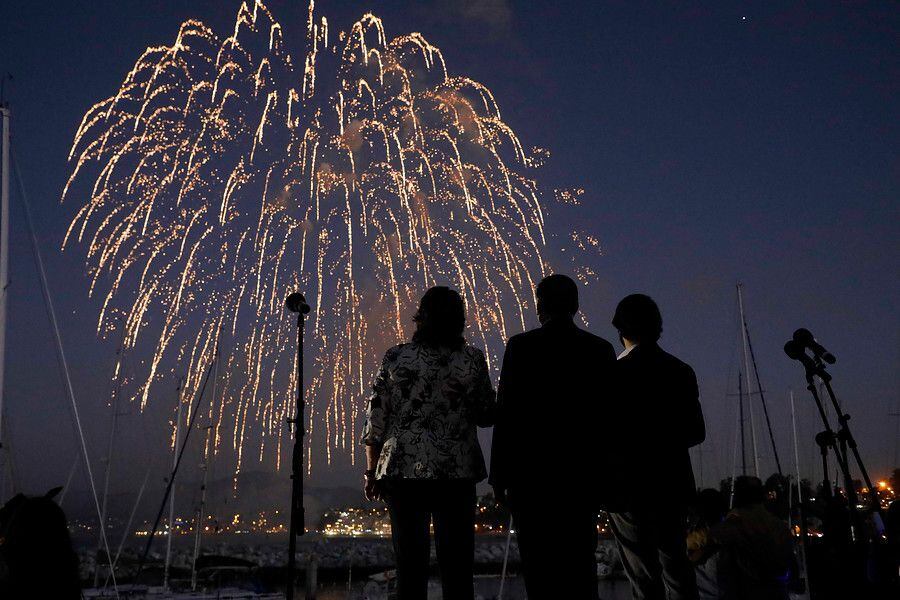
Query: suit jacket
[[658, 418], [552, 386]]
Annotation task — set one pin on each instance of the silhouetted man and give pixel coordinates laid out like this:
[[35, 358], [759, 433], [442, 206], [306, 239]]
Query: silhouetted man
[[544, 457], [657, 418]]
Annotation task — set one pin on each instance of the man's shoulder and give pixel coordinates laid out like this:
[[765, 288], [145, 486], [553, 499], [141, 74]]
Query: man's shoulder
[[675, 362], [525, 338], [675, 366], [595, 341], [580, 336]]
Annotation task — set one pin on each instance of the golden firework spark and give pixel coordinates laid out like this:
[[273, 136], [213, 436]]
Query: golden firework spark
[[224, 174]]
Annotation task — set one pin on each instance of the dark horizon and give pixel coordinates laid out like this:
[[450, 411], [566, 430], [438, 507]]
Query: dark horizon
[[747, 142]]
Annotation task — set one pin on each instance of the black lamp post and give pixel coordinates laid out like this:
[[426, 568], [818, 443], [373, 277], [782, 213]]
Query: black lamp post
[[296, 303]]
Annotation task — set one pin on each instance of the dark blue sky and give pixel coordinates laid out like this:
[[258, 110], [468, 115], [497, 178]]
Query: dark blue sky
[[717, 142]]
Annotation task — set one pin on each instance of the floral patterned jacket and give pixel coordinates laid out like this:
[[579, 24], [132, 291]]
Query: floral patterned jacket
[[425, 407]]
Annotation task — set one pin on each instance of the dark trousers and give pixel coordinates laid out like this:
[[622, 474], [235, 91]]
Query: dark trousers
[[653, 546], [412, 505], [557, 547]]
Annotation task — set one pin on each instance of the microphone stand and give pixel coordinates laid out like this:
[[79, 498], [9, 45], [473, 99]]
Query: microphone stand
[[829, 439], [842, 439], [839, 442], [846, 439], [296, 303]]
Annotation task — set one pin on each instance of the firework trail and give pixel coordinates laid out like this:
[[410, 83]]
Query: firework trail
[[224, 173]]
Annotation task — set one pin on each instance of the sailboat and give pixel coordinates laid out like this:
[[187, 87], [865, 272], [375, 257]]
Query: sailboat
[[747, 399]]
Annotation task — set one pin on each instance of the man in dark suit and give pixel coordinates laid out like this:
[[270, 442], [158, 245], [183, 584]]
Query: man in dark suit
[[544, 457], [657, 418]]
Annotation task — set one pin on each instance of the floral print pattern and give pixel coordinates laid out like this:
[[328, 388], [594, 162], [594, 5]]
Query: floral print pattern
[[425, 408]]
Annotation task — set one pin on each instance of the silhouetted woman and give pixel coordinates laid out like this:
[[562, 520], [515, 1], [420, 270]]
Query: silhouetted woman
[[422, 452]]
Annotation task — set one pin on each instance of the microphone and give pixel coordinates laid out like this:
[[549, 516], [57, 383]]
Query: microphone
[[797, 351], [296, 302], [805, 338]]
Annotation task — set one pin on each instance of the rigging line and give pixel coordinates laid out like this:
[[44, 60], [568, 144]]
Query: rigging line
[[125, 536], [747, 372], [737, 436], [65, 490], [61, 355], [738, 430], [724, 467], [115, 389], [741, 412], [171, 482], [762, 398], [151, 463]]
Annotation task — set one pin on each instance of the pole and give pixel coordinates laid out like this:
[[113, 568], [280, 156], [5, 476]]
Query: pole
[[509, 528], [801, 510], [734, 448], [4, 251], [747, 370], [296, 303], [198, 525], [104, 516], [172, 496]]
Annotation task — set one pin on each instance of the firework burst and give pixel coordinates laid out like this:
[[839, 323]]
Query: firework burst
[[224, 173]]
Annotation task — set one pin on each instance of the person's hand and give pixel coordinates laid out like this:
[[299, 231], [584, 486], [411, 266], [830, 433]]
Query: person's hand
[[371, 488]]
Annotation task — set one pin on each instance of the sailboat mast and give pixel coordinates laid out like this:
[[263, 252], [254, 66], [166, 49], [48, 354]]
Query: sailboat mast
[[104, 513], [198, 525], [796, 447], [747, 370], [804, 538], [207, 456], [172, 496], [762, 399], [4, 250]]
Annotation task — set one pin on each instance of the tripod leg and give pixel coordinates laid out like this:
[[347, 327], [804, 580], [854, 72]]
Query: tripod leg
[[848, 441]]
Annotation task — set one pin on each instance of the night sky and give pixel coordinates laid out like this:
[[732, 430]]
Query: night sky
[[716, 142]]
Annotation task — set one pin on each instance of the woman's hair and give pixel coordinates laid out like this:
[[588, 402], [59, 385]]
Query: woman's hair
[[441, 318]]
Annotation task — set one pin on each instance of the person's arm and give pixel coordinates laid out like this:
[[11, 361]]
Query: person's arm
[[373, 452], [377, 411], [484, 398], [694, 425], [500, 441]]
